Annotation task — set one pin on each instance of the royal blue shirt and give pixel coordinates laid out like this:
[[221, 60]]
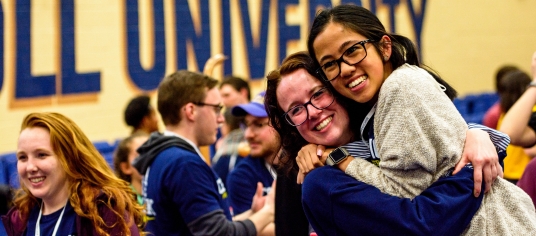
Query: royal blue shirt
[[242, 183], [337, 204]]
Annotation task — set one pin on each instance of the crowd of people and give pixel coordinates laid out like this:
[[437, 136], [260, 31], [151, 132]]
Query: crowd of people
[[354, 136]]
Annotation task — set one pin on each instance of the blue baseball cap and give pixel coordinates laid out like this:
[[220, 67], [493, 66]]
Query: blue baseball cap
[[254, 108]]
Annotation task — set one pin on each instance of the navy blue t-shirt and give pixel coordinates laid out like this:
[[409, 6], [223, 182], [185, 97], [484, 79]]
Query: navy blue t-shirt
[[179, 187], [48, 222], [221, 167], [242, 183]]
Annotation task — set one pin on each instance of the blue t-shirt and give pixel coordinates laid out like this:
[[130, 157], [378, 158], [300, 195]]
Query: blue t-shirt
[[222, 166], [47, 223], [337, 204], [242, 183], [179, 187]]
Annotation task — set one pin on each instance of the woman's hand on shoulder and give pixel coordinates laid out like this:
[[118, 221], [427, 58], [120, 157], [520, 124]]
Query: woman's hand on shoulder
[[481, 153]]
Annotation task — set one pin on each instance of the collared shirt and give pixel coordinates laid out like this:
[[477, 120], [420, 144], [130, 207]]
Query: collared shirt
[[361, 149]]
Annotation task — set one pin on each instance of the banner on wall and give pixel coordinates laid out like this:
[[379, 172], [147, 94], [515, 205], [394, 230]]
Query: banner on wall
[[192, 34]]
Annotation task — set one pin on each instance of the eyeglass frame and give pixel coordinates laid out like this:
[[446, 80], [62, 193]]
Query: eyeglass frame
[[320, 71], [219, 107], [290, 122]]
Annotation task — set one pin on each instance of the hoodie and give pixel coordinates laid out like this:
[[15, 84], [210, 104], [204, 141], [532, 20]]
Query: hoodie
[[157, 143]]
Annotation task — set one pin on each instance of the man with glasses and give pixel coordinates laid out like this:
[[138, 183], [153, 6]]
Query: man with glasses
[[183, 195], [264, 143]]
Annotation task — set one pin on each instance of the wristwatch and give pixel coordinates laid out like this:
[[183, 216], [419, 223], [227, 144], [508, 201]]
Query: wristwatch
[[337, 156], [532, 84]]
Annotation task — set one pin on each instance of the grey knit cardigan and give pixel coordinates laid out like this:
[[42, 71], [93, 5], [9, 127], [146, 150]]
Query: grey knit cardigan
[[420, 136]]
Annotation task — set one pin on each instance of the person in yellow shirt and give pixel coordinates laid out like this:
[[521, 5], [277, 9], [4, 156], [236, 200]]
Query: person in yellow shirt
[[514, 84]]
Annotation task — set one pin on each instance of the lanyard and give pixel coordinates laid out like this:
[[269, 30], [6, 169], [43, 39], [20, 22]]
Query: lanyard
[[38, 229], [270, 169], [366, 120]]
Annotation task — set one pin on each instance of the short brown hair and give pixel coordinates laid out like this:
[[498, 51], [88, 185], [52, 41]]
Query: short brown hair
[[237, 83], [179, 89]]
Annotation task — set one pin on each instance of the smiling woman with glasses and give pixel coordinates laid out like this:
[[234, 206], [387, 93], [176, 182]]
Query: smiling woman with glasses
[[333, 126], [410, 105], [298, 114], [352, 56]]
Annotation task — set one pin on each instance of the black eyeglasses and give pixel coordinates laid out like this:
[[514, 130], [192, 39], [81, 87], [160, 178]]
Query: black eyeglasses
[[351, 56], [217, 107], [321, 99]]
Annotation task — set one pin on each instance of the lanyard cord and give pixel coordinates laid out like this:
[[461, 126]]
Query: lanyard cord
[[270, 169], [366, 120], [38, 228]]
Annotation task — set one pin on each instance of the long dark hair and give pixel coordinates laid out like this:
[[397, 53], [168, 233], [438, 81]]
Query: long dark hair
[[364, 22], [291, 139]]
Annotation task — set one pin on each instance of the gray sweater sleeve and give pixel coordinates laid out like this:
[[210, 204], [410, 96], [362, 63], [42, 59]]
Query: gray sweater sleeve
[[419, 135], [215, 223]]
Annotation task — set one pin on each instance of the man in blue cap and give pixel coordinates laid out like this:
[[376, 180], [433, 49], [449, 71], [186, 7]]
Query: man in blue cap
[[264, 145]]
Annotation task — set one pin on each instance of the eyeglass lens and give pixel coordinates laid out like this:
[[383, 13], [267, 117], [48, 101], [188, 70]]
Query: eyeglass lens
[[299, 114], [353, 55]]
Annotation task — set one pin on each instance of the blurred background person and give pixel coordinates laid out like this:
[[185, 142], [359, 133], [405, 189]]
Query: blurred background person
[[140, 115], [234, 91], [5, 198], [231, 148], [264, 145], [513, 84], [520, 124], [491, 117], [5, 203], [124, 156]]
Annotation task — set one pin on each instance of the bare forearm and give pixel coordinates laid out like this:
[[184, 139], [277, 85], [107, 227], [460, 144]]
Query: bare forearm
[[268, 230], [342, 166], [515, 121], [244, 215], [261, 219]]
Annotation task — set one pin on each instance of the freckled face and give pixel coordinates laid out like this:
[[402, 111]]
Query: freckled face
[[360, 82], [329, 126], [38, 166]]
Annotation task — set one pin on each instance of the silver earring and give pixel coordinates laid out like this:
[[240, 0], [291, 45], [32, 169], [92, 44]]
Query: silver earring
[[385, 58]]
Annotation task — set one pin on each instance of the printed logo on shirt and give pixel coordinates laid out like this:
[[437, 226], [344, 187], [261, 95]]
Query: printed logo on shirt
[[150, 214], [149, 211], [221, 188], [376, 162]]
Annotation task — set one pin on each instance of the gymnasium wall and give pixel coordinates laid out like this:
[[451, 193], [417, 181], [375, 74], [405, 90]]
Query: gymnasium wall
[[87, 58]]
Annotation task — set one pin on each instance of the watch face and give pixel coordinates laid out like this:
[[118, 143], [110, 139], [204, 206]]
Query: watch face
[[337, 155]]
